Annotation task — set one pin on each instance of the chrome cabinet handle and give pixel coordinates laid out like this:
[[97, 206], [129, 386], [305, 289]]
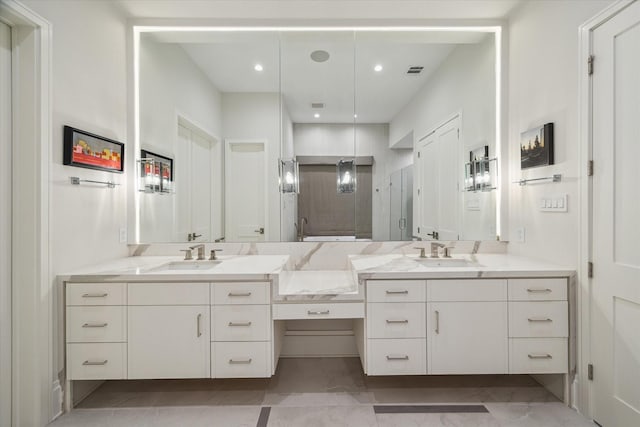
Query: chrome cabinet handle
[[539, 319], [397, 321], [239, 294], [396, 292], [95, 295], [90, 363], [95, 325], [317, 312], [540, 356], [239, 323], [437, 322], [240, 361], [199, 332], [405, 357], [538, 290]]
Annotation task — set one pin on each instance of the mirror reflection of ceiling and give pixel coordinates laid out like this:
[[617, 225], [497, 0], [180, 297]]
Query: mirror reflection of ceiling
[[228, 60]]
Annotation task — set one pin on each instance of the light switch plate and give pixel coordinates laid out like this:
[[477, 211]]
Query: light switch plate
[[520, 234], [123, 235], [554, 203]]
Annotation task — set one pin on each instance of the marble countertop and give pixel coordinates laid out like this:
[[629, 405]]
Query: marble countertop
[[398, 266], [319, 285], [150, 268]]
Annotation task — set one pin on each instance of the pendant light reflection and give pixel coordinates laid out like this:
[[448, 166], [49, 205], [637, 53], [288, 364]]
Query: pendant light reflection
[[289, 182], [345, 170]]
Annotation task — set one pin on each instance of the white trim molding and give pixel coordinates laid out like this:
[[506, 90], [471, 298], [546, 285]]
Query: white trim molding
[[32, 288], [583, 396]]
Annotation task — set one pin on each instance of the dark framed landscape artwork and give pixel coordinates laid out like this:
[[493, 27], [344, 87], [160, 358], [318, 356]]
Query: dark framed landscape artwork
[[536, 147], [87, 150]]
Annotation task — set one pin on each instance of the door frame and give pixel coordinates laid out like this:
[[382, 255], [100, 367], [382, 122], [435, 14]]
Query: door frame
[[265, 143], [583, 400], [33, 399]]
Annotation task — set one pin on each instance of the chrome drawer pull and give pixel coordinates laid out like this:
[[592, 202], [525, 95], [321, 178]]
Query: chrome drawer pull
[[239, 361], [198, 331], [405, 357], [397, 321], [540, 356], [239, 294], [535, 290], [89, 363], [95, 325], [95, 295], [396, 292], [239, 323], [437, 322], [539, 319], [317, 312]]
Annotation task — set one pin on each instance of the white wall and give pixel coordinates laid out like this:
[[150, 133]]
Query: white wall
[[171, 84], [257, 116], [322, 139], [543, 87], [465, 82], [89, 92]]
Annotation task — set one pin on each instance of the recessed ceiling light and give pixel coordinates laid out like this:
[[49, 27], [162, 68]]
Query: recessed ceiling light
[[378, 68], [258, 67], [355, 116], [320, 55], [316, 115]]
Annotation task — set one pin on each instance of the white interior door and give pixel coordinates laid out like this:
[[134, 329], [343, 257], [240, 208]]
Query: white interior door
[[615, 307], [439, 165], [5, 225], [201, 179], [193, 185], [245, 191]]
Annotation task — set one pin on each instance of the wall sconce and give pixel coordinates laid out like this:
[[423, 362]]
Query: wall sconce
[[289, 173], [346, 176], [480, 171]]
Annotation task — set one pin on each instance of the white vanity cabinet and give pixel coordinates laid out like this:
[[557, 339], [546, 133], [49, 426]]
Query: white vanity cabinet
[[538, 326], [168, 330], [241, 330], [467, 331], [96, 335], [396, 327]]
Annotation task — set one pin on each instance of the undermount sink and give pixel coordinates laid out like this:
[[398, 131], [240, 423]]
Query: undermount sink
[[447, 262], [186, 266]]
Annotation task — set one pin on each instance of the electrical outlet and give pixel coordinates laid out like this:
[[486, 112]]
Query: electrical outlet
[[520, 234], [123, 235]]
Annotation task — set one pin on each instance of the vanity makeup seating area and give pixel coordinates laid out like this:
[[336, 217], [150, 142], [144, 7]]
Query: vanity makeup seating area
[[154, 317]]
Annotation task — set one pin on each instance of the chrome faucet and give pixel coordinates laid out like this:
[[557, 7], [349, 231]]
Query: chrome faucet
[[303, 221], [434, 249], [422, 254], [200, 249]]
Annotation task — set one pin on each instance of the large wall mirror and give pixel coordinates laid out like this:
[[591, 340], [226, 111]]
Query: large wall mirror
[[316, 135]]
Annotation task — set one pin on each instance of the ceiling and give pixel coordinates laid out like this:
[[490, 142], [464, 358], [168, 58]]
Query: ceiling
[[228, 59]]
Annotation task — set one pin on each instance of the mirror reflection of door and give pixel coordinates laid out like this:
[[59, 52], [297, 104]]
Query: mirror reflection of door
[[245, 191], [193, 176], [439, 189], [401, 204]]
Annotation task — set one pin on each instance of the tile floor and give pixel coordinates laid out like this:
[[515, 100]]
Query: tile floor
[[322, 392]]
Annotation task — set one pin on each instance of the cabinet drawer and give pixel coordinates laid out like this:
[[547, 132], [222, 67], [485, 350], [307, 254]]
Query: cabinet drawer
[[538, 356], [168, 293], [241, 359], [396, 291], [241, 323], [396, 320], [538, 289], [397, 357], [240, 293], [97, 324], [349, 310], [97, 361], [96, 294], [538, 319], [467, 290]]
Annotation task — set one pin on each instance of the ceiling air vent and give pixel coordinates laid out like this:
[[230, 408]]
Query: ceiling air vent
[[317, 105], [415, 70]]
